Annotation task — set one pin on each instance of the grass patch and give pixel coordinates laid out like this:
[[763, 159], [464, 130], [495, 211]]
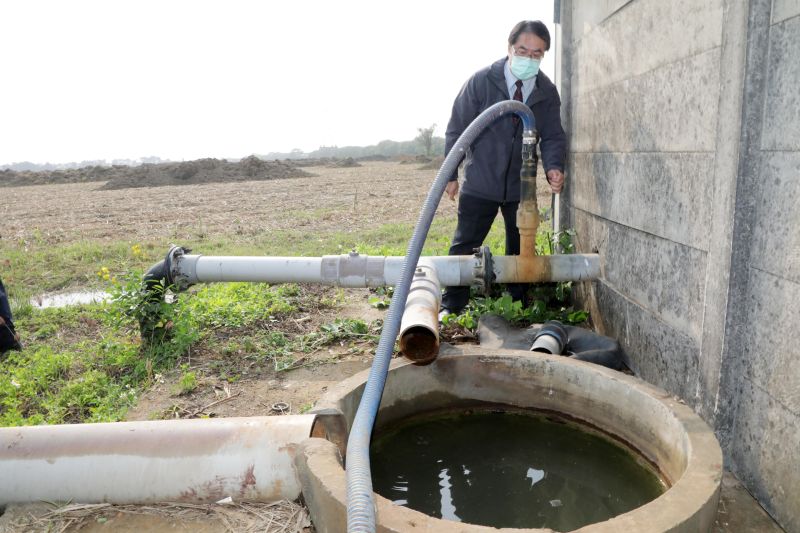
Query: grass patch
[[59, 379], [89, 364]]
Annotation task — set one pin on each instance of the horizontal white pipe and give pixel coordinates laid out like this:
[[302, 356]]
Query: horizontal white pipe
[[356, 270], [205, 269], [451, 270], [352, 270], [140, 462]]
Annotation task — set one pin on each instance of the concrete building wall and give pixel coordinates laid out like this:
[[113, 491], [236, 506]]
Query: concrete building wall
[[684, 174]]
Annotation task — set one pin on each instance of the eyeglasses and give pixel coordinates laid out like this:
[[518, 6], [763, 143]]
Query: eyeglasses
[[536, 53]]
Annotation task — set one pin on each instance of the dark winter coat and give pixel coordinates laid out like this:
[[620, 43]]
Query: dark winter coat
[[492, 164]]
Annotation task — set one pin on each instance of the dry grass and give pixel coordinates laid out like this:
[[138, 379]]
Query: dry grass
[[242, 517]]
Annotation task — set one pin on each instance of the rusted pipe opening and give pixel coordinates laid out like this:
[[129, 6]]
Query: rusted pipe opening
[[419, 344], [331, 425]]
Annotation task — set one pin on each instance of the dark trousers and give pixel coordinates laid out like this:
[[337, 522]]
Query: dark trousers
[[7, 339], [475, 218]]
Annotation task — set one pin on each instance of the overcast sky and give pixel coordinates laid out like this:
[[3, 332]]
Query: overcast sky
[[188, 79]]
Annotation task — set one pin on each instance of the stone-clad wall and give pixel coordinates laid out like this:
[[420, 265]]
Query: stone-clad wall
[[684, 174]]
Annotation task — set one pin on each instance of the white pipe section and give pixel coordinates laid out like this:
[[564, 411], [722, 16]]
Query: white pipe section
[[356, 270], [451, 270], [139, 462], [556, 219], [352, 270], [205, 269]]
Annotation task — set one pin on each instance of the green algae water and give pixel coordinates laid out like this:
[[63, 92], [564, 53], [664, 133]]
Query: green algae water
[[508, 469]]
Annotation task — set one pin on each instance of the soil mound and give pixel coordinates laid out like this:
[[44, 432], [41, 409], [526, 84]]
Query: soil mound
[[13, 178], [204, 171], [157, 175], [433, 163], [344, 163]]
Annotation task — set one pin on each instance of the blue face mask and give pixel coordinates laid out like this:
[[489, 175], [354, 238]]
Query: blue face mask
[[524, 68]]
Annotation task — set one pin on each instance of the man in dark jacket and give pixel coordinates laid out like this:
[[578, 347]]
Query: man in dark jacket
[[492, 164], [9, 339]]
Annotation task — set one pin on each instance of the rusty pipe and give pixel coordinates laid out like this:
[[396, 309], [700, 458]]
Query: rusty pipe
[[528, 210], [419, 328], [544, 268], [165, 460]]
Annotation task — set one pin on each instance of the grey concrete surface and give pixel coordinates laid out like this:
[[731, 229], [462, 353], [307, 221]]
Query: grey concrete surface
[[784, 9], [738, 511], [684, 174], [781, 128], [776, 246], [613, 51], [773, 366], [666, 204], [661, 276], [662, 110], [765, 454]]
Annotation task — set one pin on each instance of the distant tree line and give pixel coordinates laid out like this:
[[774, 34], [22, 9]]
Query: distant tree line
[[383, 148], [426, 143], [34, 167]]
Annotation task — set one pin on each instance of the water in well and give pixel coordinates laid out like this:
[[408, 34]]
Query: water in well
[[509, 469]]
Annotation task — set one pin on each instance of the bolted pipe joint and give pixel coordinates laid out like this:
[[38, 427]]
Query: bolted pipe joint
[[419, 329]]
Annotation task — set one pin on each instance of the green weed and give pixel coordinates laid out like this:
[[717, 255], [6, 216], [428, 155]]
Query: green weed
[[188, 381], [550, 301], [342, 331]]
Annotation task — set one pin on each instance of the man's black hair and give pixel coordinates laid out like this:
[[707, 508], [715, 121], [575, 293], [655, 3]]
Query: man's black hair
[[535, 27]]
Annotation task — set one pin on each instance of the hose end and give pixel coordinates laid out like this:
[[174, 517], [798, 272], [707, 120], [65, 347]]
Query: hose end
[[552, 338], [420, 344]]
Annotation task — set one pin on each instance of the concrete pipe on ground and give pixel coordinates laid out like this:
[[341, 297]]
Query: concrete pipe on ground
[[165, 460], [665, 432]]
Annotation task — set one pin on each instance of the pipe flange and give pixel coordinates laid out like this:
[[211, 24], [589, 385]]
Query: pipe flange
[[174, 275], [482, 270]]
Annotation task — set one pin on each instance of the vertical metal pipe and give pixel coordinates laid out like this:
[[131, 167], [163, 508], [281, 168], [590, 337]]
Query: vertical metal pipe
[[528, 210], [555, 214]]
